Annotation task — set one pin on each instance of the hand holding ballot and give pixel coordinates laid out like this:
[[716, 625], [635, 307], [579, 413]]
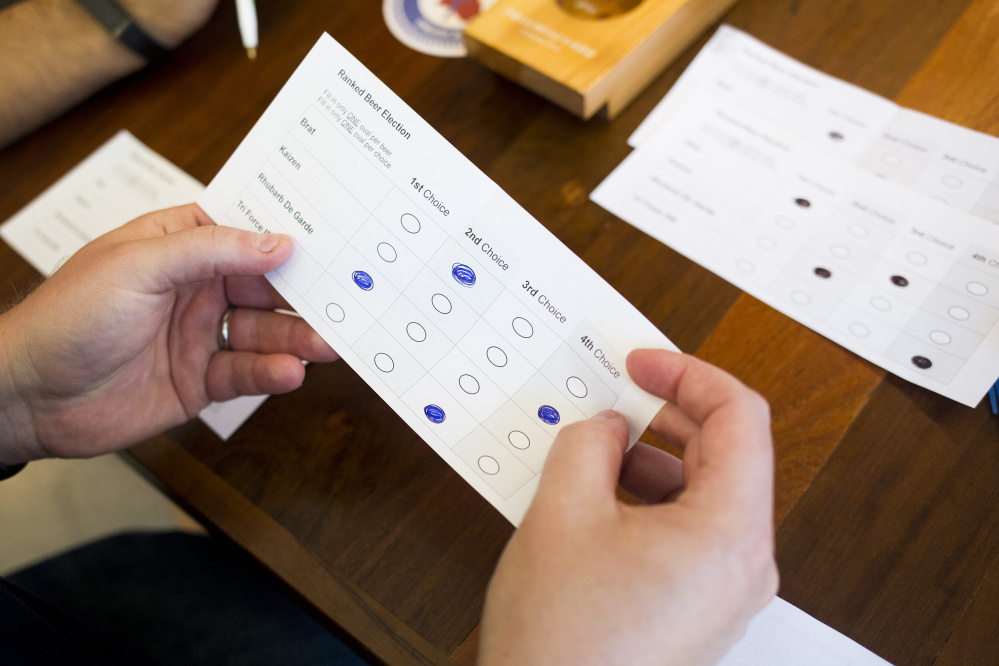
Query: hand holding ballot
[[122, 341], [589, 580]]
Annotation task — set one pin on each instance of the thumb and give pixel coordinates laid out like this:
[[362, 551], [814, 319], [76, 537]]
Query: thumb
[[584, 463], [201, 253]]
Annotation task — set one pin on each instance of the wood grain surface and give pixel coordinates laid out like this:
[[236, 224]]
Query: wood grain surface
[[886, 496]]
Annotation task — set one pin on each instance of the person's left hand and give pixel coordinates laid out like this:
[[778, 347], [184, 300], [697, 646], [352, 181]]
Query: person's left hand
[[121, 342]]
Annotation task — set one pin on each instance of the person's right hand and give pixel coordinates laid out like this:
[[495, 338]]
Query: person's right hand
[[122, 341], [588, 579]]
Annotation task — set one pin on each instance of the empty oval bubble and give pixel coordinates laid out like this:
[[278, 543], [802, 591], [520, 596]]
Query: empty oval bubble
[[387, 252], [891, 160], [916, 258], [800, 297], [518, 440], [958, 313], [784, 223], [522, 327], [882, 304], [496, 356], [463, 274], [410, 223], [977, 289], [384, 362], [940, 337], [441, 303], [489, 465], [576, 387], [468, 384], [548, 414], [335, 312], [766, 242], [745, 266], [953, 182], [416, 332], [840, 251], [859, 330], [858, 230], [362, 280], [434, 413]]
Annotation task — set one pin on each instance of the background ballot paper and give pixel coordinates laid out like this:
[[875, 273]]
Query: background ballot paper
[[868, 223], [477, 326], [474, 323], [118, 182], [933, 157]]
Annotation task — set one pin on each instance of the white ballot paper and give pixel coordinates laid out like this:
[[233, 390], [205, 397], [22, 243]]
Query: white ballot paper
[[118, 182], [905, 281], [936, 158], [475, 324]]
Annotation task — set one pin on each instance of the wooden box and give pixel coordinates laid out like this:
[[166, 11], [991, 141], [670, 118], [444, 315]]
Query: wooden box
[[584, 64]]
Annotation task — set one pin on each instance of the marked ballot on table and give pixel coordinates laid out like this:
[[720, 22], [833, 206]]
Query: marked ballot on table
[[903, 280], [474, 323]]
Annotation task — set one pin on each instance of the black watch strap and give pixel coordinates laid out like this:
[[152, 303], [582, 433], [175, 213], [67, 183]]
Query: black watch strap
[[123, 28], [7, 471]]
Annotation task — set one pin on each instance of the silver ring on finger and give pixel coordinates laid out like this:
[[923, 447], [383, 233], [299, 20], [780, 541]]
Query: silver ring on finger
[[223, 333]]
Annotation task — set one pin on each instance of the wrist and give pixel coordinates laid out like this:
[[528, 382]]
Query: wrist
[[169, 22], [18, 443]]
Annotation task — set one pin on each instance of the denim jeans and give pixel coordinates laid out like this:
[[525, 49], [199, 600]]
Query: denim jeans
[[176, 598]]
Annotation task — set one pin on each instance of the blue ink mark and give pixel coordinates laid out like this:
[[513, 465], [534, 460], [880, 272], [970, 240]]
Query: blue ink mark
[[434, 413], [363, 280], [463, 274], [548, 414]]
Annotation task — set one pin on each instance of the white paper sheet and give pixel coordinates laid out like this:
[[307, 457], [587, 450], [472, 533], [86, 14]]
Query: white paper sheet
[[927, 155], [475, 324], [118, 182], [905, 281], [782, 635]]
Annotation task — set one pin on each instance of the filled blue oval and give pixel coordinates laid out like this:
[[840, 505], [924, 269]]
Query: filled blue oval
[[464, 275], [434, 413], [548, 414], [363, 280]]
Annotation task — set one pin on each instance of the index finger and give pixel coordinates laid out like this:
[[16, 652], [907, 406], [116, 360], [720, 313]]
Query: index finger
[[730, 458]]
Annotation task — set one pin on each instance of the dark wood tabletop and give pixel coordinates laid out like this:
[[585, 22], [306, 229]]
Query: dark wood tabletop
[[887, 495]]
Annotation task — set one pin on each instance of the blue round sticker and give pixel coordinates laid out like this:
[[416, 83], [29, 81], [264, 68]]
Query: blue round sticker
[[463, 274], [434, 413], [548, 414], [363, 280]]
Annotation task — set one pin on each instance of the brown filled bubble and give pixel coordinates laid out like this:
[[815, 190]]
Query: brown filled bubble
[[899, 281], [835, 136], [804, 203], [921, 362], [823, 272]]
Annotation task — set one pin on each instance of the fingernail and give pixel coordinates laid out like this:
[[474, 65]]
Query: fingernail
[[606, 414], [267, 242]]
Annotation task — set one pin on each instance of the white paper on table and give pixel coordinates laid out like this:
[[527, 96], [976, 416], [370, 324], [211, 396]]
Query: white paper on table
[[925, 154], [782, 635], [904, 281], [390, 224], [118, 182]]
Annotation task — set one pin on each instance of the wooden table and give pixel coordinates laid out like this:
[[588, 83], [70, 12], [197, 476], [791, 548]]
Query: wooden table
[[886, 497]]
